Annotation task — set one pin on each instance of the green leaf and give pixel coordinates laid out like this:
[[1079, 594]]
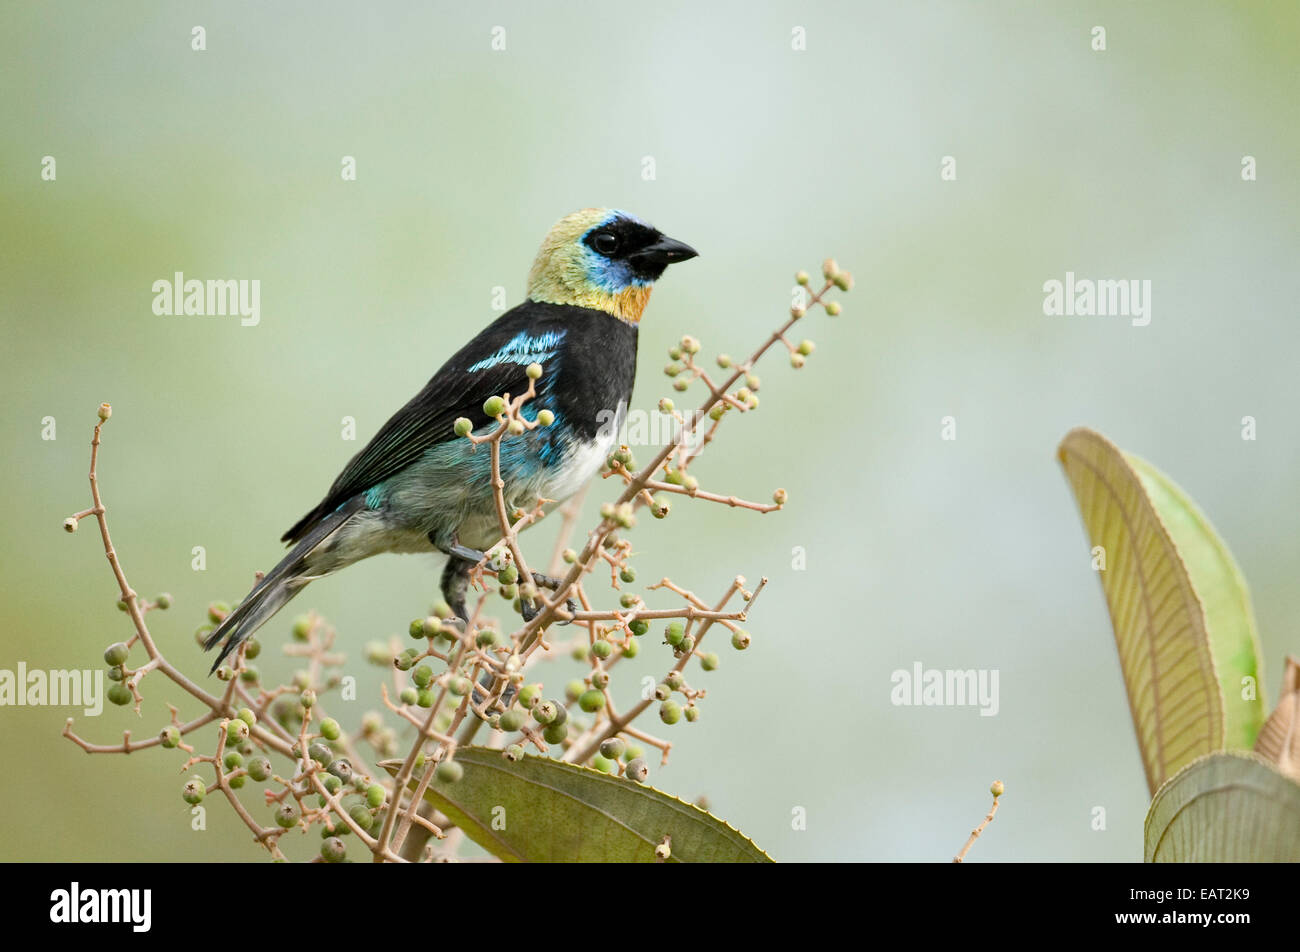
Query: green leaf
[[539, 810], [1230, 622], [1158, 620], [1225, 808]]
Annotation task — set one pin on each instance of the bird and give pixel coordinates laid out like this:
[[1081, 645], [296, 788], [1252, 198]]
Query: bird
[[418, 487]]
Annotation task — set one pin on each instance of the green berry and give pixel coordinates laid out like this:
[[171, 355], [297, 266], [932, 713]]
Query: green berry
[[449, 771], [833, 308], [425, 697], [252, 648], [233, 760], [259, 768], [670, 712], [194, 791], [545, 417], [709, 661], [592, 701], [740, 639], [663, 691], [638, 627], [675, 680], [555, 733], [330, 729], [302, 628], [422, 676], [409, 695], [247, 716], [237, 781], [613, 748], [529, 693], [119, 694], [170, 736], [602, 649], [341, 769], [462, 426], [514, 753], [320, 753], [631, 649], [332, 850], [511, 720], [602, 764], [237, 730], [116, 654], [546, 712], [459, 686], [486, 638], [636, 770], [494, 407], [692, 714], [362, 816], [674, 633], [375, 795]]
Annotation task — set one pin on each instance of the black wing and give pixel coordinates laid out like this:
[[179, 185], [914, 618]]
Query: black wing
[[454, 391]]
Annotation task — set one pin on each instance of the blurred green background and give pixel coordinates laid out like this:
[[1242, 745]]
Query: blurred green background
[[966, 554]]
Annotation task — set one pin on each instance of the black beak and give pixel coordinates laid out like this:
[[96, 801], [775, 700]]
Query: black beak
[[663, 252]]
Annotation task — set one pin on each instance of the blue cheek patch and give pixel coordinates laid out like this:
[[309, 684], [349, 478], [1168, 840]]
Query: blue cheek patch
[[605, 274]]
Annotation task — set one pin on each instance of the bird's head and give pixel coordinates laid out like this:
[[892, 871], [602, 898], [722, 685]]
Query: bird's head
[[605, 259]]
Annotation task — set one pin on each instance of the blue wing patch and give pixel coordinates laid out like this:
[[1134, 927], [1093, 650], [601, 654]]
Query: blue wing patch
[[523, 348]]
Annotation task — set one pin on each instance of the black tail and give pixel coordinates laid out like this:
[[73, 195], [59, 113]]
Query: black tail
[[279, 585]]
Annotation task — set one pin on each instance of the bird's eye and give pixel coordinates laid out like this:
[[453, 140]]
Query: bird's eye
[[605, 243]]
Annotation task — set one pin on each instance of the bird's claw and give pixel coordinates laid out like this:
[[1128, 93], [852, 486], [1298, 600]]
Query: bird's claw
[[550, 581], [530, 611], [542, 580]]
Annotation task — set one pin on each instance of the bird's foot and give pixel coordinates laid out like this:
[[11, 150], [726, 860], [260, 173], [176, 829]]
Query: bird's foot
[[465, 553], [484, 686], [529, 611]]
